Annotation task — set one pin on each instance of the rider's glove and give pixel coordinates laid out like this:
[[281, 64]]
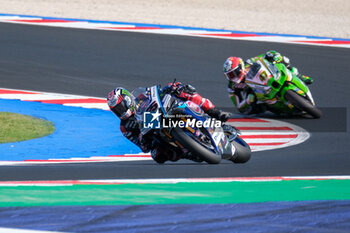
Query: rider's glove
[[218, 114], [224, 116], [273, 56], [175, 88], [189, 89]]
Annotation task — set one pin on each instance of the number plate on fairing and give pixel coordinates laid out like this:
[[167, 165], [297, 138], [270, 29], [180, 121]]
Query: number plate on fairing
[[258, 77]]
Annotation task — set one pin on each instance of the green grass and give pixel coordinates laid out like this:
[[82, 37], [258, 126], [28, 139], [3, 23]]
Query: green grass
[[17, 127]]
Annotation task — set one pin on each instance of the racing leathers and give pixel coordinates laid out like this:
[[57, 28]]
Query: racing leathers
[[244, 98], [161, 153]]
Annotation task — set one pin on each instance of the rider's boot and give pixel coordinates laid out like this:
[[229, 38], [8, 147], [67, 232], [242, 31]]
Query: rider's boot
[[161, 155], [306, 79], [190, 156]]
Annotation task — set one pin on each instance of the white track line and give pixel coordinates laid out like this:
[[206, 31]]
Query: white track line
[[168, 180], [183, 31]]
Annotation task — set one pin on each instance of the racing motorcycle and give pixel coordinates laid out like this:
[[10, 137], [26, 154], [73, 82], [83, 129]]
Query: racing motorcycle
[[183, 126], [282, 91]]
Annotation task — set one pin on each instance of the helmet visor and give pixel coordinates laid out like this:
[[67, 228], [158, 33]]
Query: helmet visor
[[120, 109], [234, 74]]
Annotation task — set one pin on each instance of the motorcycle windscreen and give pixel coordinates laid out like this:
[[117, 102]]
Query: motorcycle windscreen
[[141, 95]]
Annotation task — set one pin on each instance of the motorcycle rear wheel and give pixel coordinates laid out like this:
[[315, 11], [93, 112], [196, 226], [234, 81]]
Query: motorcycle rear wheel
[[196, 148], [303, 104]]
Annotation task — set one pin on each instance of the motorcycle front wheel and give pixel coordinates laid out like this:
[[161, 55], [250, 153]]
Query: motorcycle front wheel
[[302, 104], [196, 148], [243, 152]]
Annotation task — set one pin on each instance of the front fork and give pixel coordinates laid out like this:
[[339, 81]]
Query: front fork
[[231, 132]]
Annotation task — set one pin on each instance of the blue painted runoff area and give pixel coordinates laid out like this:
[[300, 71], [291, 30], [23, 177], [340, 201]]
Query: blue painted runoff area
[[80, 132], [301, 216], [175, 27]]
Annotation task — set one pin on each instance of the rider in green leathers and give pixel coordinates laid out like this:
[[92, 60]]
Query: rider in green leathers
[[241, 95]]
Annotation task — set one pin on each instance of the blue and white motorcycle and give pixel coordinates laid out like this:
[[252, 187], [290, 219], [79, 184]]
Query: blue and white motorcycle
[[183, 126]]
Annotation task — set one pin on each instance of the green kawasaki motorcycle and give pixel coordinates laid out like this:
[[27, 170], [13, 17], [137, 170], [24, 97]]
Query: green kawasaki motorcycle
[[282, 91]]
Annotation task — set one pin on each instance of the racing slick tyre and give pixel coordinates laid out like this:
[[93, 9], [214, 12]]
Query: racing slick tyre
[[242, 153], [302, 104], [196, 148]]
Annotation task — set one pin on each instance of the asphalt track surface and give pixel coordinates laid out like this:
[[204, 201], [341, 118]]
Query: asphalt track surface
[[92, 62]]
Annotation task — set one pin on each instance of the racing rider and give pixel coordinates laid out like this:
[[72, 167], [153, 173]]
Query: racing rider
[[241, 95], [122, 104]]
